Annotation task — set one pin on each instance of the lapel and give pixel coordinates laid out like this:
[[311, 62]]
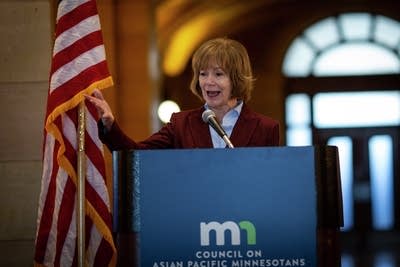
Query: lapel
[[199, 130], [241, 134], [244, 128]]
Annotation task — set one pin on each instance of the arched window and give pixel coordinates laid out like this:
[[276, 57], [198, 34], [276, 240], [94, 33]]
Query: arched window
[[343, 90], [349, 44]]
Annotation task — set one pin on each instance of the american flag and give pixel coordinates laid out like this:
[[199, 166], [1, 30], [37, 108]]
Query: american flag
[[78, 67]]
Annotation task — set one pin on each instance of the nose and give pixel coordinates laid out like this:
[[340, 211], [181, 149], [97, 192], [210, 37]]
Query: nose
[[209, 79]]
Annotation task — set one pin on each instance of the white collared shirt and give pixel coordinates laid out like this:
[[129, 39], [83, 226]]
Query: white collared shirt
[[228, 122]]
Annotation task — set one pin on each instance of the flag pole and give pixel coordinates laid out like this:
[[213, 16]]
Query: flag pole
[[80, 216]]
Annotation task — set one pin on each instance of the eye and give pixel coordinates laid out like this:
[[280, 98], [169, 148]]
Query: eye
[[202, 73]]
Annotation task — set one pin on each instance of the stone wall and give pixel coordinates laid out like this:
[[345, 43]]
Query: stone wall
[[25, 49]]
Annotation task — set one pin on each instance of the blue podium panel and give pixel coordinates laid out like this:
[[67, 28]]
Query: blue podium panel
[[226, 207]]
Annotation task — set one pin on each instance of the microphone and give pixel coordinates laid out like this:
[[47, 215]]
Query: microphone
[[208, 116]]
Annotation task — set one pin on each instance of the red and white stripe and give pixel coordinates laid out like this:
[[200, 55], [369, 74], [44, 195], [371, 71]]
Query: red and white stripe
[[78, 67]]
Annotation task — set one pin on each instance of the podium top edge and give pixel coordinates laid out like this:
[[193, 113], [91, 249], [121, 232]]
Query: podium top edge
[[315, 147]]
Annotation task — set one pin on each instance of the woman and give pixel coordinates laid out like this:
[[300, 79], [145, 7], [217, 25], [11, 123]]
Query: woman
[[223, 80]]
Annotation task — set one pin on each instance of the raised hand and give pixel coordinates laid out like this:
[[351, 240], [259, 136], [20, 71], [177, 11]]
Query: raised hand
[[102, 107]]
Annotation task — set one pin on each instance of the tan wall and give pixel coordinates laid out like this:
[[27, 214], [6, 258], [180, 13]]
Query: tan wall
[[126, 28], [25, 48], [134, 93]]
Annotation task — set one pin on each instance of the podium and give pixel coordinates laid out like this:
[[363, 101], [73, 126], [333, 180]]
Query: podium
[[272, 206]]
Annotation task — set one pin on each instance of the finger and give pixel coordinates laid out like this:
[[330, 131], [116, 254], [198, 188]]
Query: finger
[[96, 102], [98, 94], [92, 99]]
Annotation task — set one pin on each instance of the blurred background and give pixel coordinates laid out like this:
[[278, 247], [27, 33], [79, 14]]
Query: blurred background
[[327, 70]]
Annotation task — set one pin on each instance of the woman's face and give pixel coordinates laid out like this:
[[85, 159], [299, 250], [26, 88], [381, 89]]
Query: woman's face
[[216, 86]]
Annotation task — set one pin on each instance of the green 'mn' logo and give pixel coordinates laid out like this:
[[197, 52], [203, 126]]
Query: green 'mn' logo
[[220, 228]]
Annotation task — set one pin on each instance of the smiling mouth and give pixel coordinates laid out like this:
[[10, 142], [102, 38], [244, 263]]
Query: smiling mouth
[[213, 93]]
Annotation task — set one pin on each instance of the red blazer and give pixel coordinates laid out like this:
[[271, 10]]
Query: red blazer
[[186, 129]]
